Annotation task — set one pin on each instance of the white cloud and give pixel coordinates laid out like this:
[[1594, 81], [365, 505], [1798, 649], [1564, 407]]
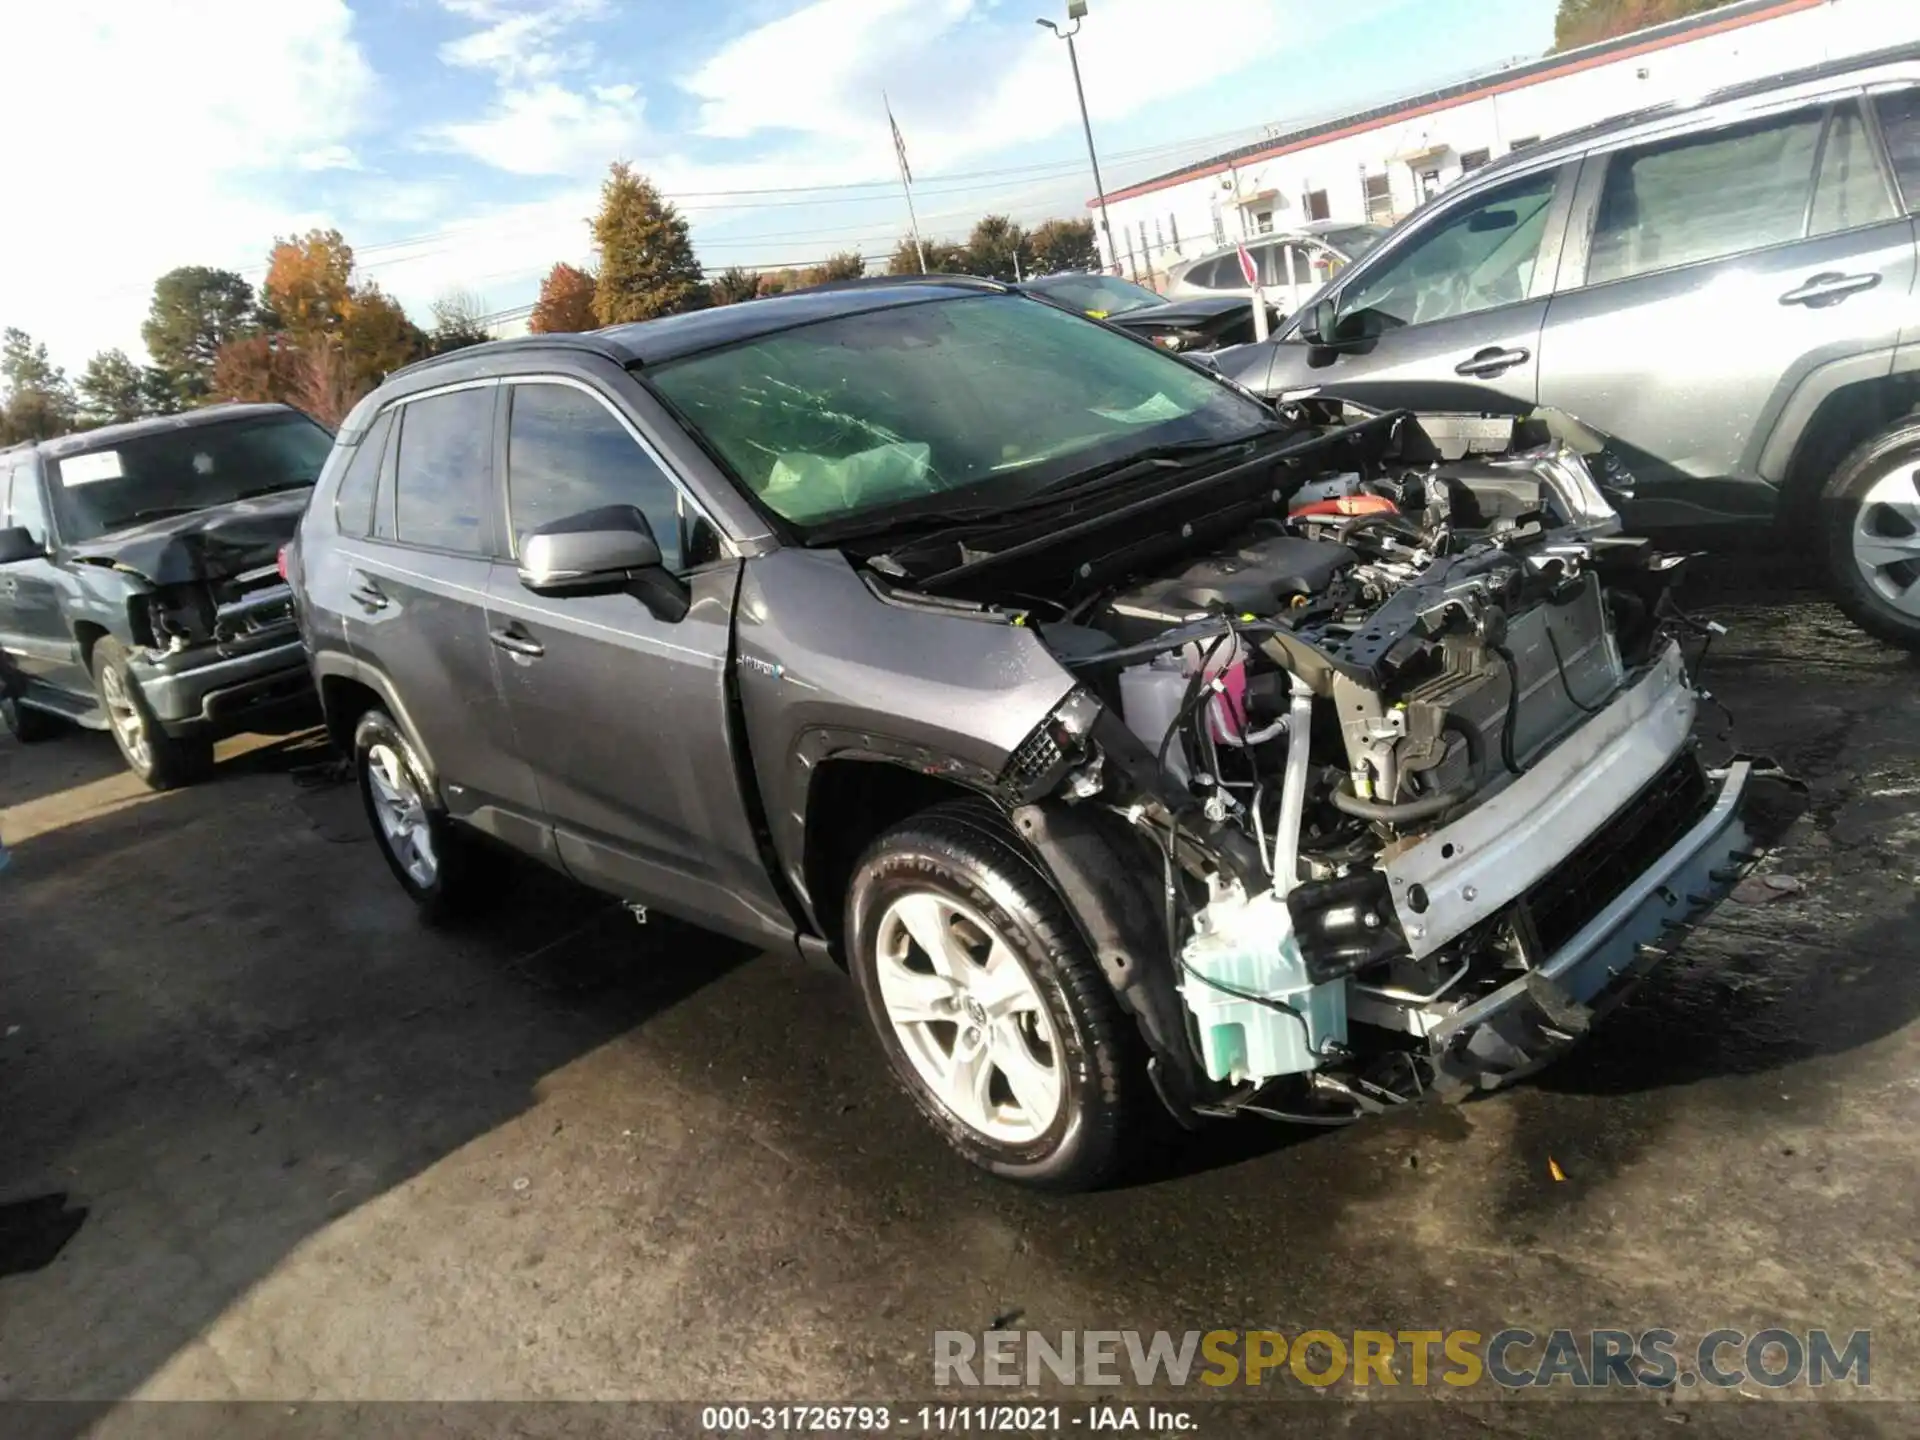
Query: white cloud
[[540, 121], [548, 129], [157, 121], [517, 40], [962, 81], [821, 69]]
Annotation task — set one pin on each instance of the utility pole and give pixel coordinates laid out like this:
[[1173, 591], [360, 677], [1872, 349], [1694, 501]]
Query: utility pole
[[1077, 12]]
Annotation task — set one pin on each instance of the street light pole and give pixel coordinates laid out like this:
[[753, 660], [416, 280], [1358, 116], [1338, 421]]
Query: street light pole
[[1076, 12]]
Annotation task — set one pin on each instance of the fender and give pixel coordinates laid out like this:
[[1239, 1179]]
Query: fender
[[1775, 460], [331, 664]]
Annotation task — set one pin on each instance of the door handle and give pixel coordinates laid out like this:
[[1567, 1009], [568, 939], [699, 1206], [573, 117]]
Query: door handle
[[367, 595], [1485, 364], [1829, 287], [516, 641]]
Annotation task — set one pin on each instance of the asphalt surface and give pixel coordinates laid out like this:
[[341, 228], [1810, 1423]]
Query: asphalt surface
[[310, 1150]]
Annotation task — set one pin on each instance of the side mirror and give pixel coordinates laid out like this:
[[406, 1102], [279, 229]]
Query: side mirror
[[16, 544], [1317, 322], [608, 551]]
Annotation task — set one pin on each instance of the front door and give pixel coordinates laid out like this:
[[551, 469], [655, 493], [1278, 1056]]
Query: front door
[[1719, 271], [35, 636], [1448, 318], [624, 716]]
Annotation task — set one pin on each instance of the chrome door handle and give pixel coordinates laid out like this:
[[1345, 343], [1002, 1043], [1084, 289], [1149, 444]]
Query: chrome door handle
[[1829, 287], [1486, 364], [517, 642]]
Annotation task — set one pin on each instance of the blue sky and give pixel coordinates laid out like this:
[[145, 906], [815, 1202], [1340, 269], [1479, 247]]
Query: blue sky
[[458, 143]]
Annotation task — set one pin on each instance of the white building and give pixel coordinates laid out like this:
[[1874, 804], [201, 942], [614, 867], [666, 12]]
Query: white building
[[1379, 164]]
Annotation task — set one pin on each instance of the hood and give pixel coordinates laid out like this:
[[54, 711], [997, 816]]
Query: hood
[[217, 543], [1195, 310]]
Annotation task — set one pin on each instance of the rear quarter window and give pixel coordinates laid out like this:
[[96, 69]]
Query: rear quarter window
[[353, 501]]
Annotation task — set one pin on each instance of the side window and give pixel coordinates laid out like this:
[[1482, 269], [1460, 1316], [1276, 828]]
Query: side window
[[1471, 258], [1700, 197], [353, 501], [443, 478], [1849, 191], [27, 508], [1900, 122], [1210, 274], [567, 453]]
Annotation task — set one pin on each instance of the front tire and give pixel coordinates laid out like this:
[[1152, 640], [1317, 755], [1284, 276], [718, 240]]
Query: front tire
[[28, 725], [1870, 513], [993, 1015], [432, 859], [160, 760]]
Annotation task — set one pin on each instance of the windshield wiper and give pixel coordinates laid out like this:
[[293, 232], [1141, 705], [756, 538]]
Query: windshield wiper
[[164, 512], [1178, 455], [1078, 485], [254, 494]]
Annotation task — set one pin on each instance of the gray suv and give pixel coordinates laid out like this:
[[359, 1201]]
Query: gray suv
[[140, 588], [1727, 288], [1009, 661]]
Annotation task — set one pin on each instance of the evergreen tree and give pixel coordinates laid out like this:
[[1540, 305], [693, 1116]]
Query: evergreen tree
[[647, 264]]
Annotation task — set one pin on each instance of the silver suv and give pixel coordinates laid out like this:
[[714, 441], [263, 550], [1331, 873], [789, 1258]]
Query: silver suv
[[1726, 288]]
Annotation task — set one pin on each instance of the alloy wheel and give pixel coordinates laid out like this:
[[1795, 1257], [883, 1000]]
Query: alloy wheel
[[969, 1017], [124, 715], [402, 813], [1886, 538]]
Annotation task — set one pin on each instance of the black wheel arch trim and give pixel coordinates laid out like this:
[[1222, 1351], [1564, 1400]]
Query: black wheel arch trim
[[1095, 865], [819, 745], [330, 665]]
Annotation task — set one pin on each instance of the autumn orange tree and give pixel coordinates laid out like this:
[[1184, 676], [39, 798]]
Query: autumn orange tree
[[328, 338], [565, 305]]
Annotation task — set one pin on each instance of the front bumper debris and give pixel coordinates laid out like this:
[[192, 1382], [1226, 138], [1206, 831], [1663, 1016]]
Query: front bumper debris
[[1465, 872], [200, 690], [1519, 1027]]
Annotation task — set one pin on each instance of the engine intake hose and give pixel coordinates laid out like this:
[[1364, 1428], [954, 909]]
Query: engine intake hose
[[1404, 813]]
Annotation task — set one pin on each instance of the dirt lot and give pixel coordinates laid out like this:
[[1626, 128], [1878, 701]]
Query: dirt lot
[[313, 1151]]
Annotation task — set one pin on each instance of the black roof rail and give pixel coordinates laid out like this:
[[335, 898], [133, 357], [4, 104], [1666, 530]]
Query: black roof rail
[[881, 282], [581, 340]]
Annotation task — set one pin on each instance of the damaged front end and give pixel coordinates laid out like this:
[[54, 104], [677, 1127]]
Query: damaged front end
[[1391, 791], [210, 614]]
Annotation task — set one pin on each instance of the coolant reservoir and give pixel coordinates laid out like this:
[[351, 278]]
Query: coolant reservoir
[[1248, 945], [1150, 698]]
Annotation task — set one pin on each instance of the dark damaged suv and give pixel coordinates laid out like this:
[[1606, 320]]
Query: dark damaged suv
[[1132, 742], [140, 589]]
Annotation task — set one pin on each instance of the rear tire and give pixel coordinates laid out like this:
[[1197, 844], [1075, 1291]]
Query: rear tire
[[162, 761], [436, 862], [1870, 519], [28, 725], [995, 1018]]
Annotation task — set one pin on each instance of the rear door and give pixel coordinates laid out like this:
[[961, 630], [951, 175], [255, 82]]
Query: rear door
[[624, 717], [1448, 317], [416, 600], [1896, 108], [1709, 274]]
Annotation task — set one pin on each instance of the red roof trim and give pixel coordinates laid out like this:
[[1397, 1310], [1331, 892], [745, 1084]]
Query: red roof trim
[[1572, 67]]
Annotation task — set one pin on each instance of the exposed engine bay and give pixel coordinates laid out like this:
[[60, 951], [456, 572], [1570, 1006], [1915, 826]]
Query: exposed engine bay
[[1397, 740]]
